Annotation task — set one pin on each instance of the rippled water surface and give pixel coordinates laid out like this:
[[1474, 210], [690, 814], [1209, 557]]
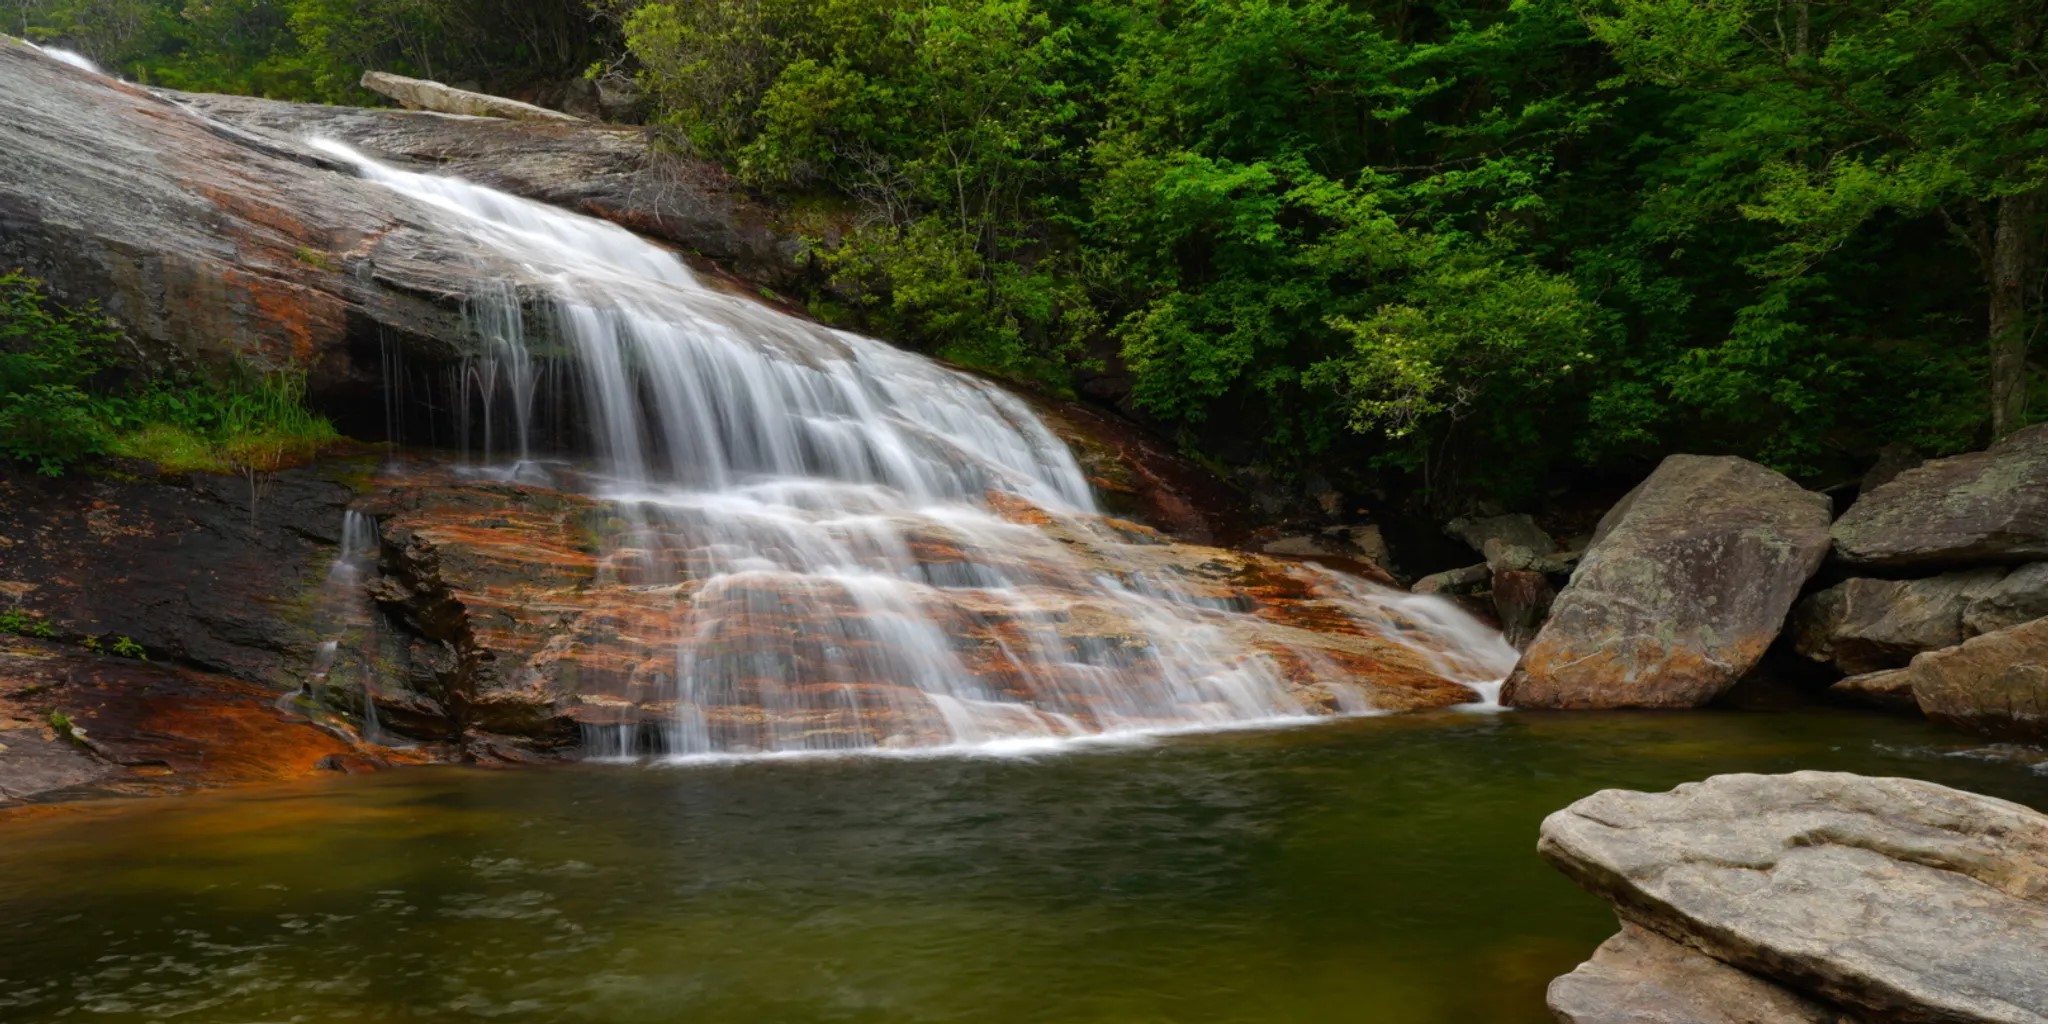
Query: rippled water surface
[[1379, 870]]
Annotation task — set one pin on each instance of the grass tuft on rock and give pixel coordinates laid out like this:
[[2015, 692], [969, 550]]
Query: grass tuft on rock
[[63, 400]]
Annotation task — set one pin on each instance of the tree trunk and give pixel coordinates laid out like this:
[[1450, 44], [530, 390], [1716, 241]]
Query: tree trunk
[[2015, 267]]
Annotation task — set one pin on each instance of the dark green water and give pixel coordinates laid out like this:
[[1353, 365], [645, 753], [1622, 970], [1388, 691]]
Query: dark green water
[[1379, 870]]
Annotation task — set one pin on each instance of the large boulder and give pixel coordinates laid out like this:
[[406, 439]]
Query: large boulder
[[1686, 584], [1996, 683], [1988, 507], [1892, 899], [1866, 625]]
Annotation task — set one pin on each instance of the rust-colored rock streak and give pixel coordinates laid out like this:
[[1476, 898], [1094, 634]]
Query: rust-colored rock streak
[[74, 723], [534, 610]]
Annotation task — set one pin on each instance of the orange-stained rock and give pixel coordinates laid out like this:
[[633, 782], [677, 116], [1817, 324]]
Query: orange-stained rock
[[529, 611], [74, 723]]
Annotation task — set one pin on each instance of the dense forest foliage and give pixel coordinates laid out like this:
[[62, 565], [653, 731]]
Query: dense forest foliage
[[1489, 243]]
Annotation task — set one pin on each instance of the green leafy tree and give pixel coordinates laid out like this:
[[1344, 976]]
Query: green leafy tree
[[1827, 123]]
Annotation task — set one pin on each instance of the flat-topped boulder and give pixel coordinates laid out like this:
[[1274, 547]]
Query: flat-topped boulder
[[1686, 584], [1891, 689], [1895, 900], [1988, 507]]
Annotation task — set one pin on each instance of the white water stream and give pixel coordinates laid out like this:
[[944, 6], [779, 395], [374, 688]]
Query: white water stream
[[64, 56], [824, 508]]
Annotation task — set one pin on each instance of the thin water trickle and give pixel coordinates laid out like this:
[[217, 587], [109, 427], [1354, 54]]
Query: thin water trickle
[[343, 609], [836, 514]]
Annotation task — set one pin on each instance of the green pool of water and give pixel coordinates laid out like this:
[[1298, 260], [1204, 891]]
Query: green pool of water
[[1379, 870]]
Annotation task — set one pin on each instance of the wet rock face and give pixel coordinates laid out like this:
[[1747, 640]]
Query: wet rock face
[[503, 619], [1893, 899], [1523, 600], [1988, 507], [488, 587], [78, 724], [1996, 683], [1686, 584], [204, 572]]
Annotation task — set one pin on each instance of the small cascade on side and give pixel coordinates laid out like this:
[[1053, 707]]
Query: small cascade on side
[[342, 609], [64, 56], [839, 545]]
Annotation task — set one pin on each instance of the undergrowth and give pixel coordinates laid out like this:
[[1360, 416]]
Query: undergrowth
[[63, 400]]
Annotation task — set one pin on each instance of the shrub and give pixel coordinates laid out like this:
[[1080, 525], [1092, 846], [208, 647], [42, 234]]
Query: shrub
[[50, 356]]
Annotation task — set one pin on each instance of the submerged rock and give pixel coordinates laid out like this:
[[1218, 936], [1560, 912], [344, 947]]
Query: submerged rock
[[1996, 683], [1988, 507], [1894, 899], [1686, 584]]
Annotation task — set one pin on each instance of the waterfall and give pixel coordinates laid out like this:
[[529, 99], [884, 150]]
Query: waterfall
[[828, 517]]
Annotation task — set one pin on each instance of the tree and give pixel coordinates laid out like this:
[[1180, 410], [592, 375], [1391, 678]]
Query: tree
[[1824, 121]]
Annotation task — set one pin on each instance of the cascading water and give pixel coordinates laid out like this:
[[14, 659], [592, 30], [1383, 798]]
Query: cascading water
[[828, 517], [342, 607], [71, 57]]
